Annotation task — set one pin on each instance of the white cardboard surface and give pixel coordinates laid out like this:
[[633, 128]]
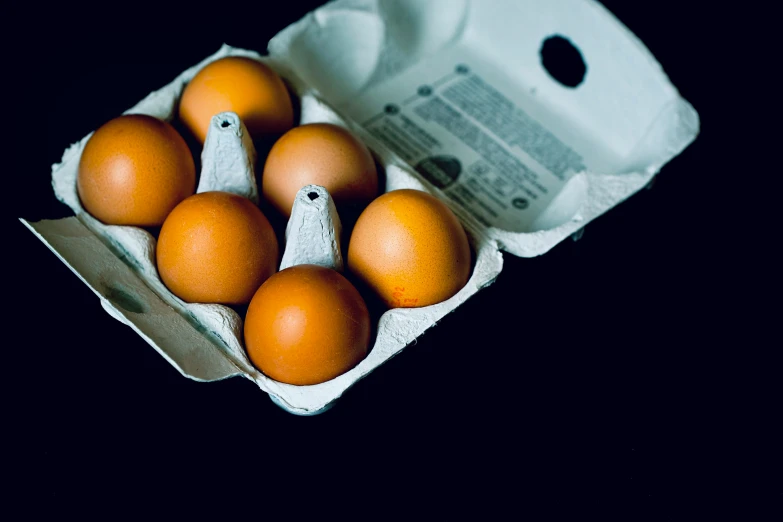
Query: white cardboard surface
[[358, 55], [621, 124]]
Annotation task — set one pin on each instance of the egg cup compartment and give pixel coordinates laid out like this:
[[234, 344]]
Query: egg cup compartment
[[372, 64]]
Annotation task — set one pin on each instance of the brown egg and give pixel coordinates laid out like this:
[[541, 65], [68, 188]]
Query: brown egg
[[241, 85], [134, 170], [319, 154], [216, 247], [306, 325], [410, 249]]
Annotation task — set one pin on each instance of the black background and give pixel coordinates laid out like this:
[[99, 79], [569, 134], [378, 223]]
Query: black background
[[609, 373]]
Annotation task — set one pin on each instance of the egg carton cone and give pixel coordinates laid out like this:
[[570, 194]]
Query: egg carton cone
[[453, 98], [313, 231], [228, 158]]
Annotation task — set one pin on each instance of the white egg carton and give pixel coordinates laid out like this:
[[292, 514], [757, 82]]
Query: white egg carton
[[453, 98]]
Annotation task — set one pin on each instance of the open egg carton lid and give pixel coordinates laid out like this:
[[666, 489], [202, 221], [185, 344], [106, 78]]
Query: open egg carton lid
[[529, 118]]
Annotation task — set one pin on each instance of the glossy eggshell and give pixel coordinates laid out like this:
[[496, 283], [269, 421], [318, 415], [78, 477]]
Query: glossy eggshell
[[319, 154], [134, 170], [216, 247], [410, 249], [242, 85], [306, 325]]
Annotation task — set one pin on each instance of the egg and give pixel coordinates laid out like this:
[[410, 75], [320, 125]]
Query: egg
[[306, 325], [242, 85], [134, 170], [216, 247], [410, 249], [319, 154]]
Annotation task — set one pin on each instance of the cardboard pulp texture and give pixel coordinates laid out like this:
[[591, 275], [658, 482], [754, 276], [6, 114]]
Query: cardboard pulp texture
[[453, 98]]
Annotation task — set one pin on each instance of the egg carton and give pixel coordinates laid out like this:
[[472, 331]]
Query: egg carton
[[453, 98]]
